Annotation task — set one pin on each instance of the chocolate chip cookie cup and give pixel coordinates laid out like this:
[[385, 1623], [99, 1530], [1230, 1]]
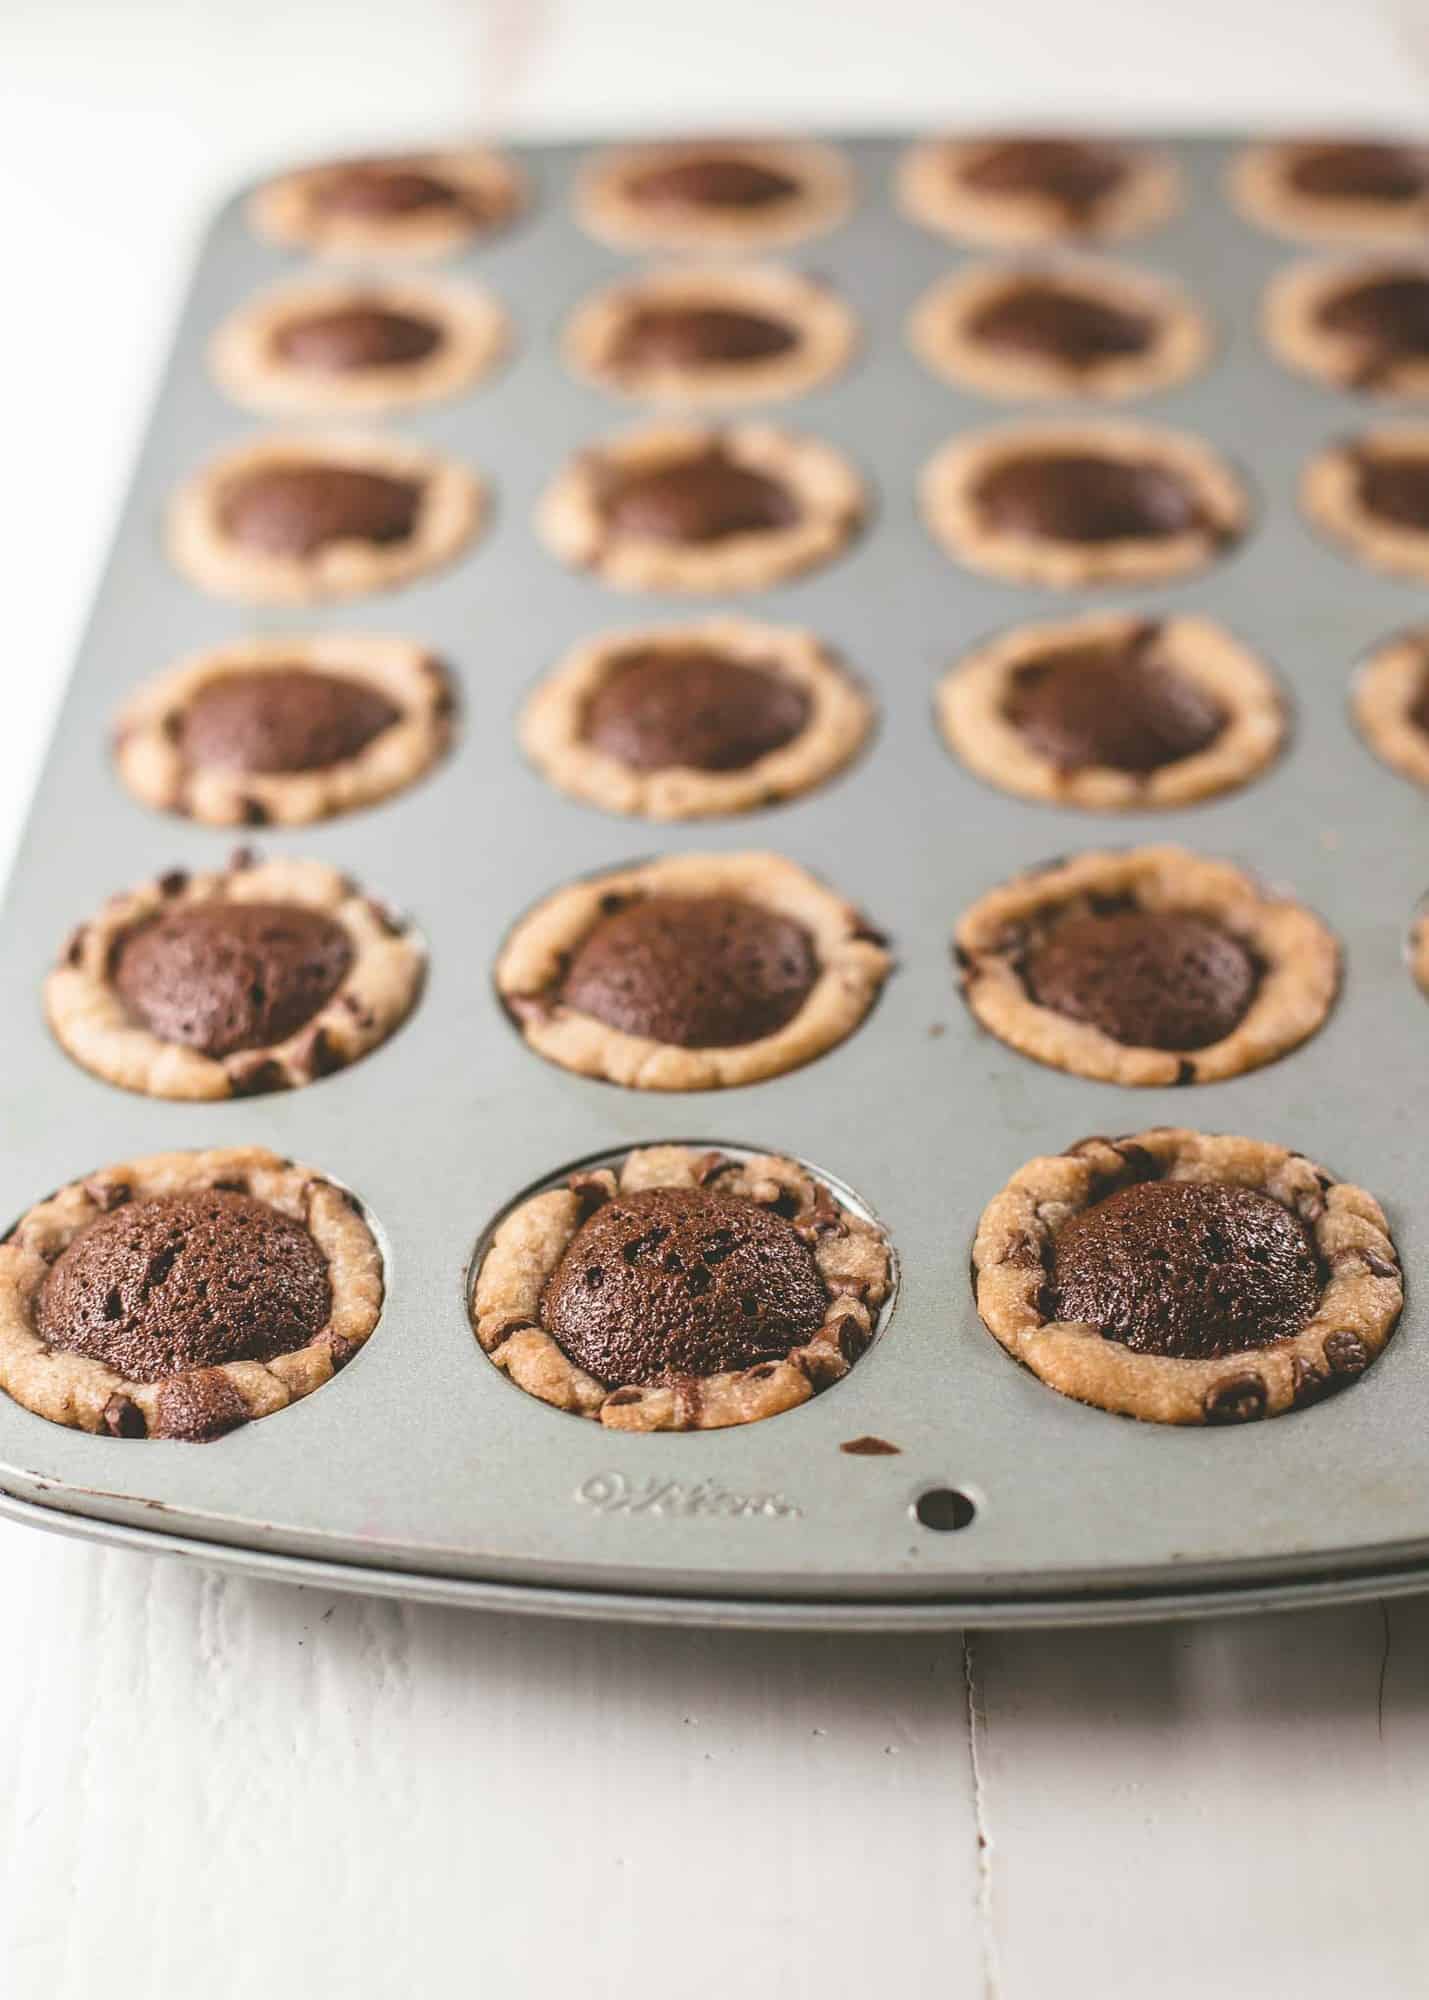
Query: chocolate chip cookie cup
[[1335, 188], [403, 204], [262, 976], [1113, 713], [695, 721], [184, 1294], [1371, 495], [1066, 506], [694, 335], [357, 346], [681, 1290], [696, 972], [713, 194], [1186, 1278], [684, 508], [306, 519], [284, 731], [1015, 189], [1071, 328], [1390, 703], [1148, 966], [1360, 324]]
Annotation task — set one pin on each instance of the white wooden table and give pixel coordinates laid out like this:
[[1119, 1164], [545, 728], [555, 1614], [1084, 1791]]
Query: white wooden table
[[247, 1792]]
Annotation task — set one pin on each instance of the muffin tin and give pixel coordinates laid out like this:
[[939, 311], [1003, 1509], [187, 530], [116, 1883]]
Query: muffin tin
[[420, 1470]]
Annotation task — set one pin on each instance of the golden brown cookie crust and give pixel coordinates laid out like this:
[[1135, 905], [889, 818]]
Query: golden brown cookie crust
[[83, 1393], [449, 514], [851, 1253], [828, 492], [826, 331], [1298, 956], [285, 210], [1361, 1303], [852, 968], [1260, 189], [931, 190], [247, 363], [1330, 497], [89, 1019], [1289, 318], [839, 720], [941, 334], [1386, 690], [148, 737], [957, 524], [605, 206], [972, 703]]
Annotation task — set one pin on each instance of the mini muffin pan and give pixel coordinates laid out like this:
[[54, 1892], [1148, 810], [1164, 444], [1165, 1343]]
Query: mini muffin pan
[[420, 1469]]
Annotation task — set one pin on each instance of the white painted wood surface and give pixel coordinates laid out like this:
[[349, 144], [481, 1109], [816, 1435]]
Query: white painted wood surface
[[232, 1790]]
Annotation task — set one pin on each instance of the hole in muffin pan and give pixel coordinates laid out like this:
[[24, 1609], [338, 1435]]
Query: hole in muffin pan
[[945, 1509], [613, 1157]]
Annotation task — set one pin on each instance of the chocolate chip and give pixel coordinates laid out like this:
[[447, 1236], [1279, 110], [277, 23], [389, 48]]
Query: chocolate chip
[[1238, 1401], [1346, 1354], [124, 1419]]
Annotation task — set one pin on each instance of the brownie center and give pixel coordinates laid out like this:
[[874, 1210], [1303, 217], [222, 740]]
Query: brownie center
[[714, 180], [385, 188], [697, 500], [682, 1281], [297, 509], [360, 335], [1149, 979], [695, 708], [1396, 489], [1188, 1269], [1361, 171], [700, 972], [1111, 705], [282, 719], [185, 1281], [221, 976], [700, 337], [1078, 496], [1077, 174], [1059, 324]]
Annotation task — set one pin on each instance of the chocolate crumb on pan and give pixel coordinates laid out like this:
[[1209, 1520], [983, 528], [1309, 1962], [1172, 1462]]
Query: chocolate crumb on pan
[[184, 1294], [1187, 1278], [670, 1294]]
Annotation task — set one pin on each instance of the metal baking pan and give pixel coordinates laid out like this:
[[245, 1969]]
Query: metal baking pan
[[420, 1469]]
